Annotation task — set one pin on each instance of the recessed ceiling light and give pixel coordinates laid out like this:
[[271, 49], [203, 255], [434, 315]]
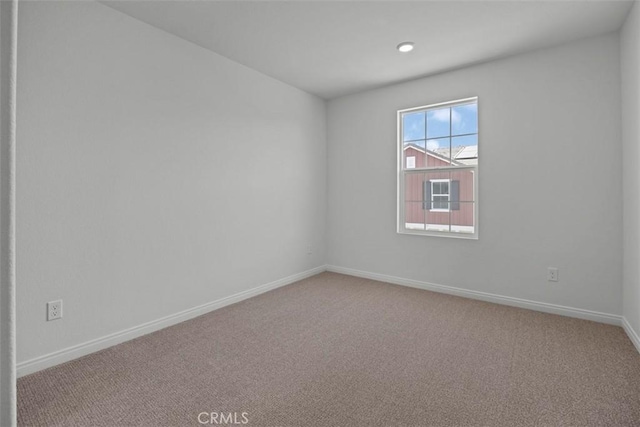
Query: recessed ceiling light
[[405, 47]]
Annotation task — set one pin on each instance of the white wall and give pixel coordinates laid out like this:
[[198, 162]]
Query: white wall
[[549, 176], [153, 175], [630, 49]]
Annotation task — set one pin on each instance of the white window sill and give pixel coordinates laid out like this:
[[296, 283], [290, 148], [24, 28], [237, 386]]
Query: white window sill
[[457, 231]]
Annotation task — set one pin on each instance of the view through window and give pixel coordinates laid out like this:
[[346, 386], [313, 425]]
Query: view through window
[[438, 170]]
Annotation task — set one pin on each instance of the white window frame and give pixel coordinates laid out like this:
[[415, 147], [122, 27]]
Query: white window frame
[[432, 201], [402, 172]]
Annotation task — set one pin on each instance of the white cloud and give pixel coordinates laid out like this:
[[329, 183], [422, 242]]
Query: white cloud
[[443, 115], [455, 117], [432, 144]]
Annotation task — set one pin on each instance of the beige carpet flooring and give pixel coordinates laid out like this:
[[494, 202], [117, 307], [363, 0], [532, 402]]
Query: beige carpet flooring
[[334, 350]]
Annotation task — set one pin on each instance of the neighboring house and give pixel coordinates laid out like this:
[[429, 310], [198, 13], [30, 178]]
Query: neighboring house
[[433, 198]]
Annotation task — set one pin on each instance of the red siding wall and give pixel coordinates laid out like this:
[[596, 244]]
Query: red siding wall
[[414, 209]]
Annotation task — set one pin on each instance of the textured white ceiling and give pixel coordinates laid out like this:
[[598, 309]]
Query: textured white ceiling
[[334, 48]]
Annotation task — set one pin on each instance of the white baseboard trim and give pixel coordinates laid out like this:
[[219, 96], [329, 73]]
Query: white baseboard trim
[[631, 333], [48, 360], [579, 313]]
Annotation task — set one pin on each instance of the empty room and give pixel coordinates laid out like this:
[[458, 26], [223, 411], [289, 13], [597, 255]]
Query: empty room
[[319, 213]]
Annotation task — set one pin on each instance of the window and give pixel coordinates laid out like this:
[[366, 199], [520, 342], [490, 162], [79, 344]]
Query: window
[[438, 169], [439, 197], [411, 162]]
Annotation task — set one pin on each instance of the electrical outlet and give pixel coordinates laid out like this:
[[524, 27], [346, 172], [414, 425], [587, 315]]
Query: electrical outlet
[[54, 310], [309, 249], [552, 274]]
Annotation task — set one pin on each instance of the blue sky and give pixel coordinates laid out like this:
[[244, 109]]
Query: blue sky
[[464, 120]]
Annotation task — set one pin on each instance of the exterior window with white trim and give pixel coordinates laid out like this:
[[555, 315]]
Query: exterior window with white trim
[[439, 195], [438, 169], [411, 162]]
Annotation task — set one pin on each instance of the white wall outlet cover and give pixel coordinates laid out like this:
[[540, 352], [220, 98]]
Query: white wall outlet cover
[[54, 310]]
